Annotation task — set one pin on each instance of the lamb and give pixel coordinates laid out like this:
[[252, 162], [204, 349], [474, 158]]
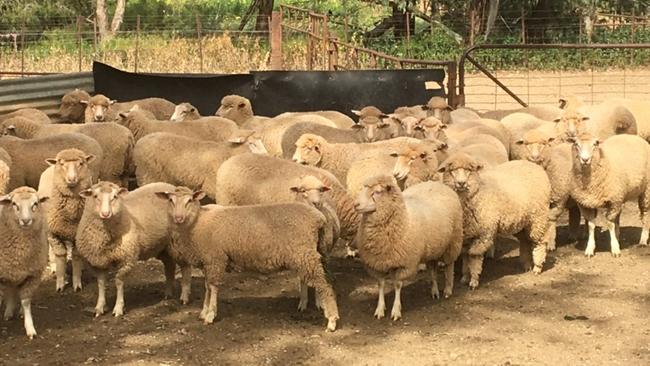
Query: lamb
[[511, 198], [29, 113], [313, 192], [23, 251], [119, 228], [557, 161], [607, 174], [116, 142], [273, 130], [543, 112], [28, 156], [399, 230], [239, 110], [70, 176], [180, 160], [331, 134], [601, 120], [185, 112], [216, 130], [282, 236], [519, 123], [72, 108], [249, 179], [337, 158], [5, 170], [99, 108]]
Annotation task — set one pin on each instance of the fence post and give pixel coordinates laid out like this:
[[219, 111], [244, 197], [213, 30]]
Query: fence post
[[22, 52], [326, 35], [452, 74], [79, 39], [200, 39], [333, 54], [523, 26], [408, 34], [137, 41], [276, 40], [310, 44], [95, 36]]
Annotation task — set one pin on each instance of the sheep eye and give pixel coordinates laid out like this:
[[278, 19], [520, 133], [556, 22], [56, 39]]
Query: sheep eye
[[34, 206]]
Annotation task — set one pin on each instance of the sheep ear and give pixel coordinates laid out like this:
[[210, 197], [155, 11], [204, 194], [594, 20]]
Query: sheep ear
[[443, 126], [84, 102], [325, 188], [558, 119], [585, 118], [50, 161], [122, 191], [123, 115], [442, 169], [597, 142], [571, 140], [356, 112], [86, 193], [5, 200], [551, 139], [198, 195], [425, 107], [449, 108], [90, 158], [383, 115], [394, 154], [162, 195], [112, 101], [237, 140], [192, 110], [43, 199], [357, 126], [519, 142], [294, 189]]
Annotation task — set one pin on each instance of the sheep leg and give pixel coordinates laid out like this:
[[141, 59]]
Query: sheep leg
[[552, 235], [10, 300], [381, 302], [491, 251], [525, 252], [433, 267], [118, 310], [51, 260], [211, 312], [186, 283], [475, 268], [213, 275], [574, 223], [170, 273], [465, 268], [314, 275], [206, 301], [60, 259], [449, 280], [590, 215], [77, 267], [100, 308], [304, 296], [396, 312], [613, 226], [25, 294], [644, 206]]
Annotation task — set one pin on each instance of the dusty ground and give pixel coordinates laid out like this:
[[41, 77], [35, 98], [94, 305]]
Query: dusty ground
[[578, 312]]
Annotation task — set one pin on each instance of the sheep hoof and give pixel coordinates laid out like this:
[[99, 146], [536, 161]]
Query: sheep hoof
[[59, 288], [99, 312], [118, 312], [643, 244], [537, 270], [77, 288], [302, 306], [589, 253], [473, 284], [31, 335], [616, 254], [447, 293], [435, 294], [185, 301], [331, 325], [8, 317], [396, 315], [350, 253], [209, 317], [379, 313]]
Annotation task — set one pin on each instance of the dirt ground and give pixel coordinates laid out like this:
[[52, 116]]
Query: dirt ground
[[578, 312]]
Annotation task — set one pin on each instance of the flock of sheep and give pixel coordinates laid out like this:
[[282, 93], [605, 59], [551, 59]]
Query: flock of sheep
[[406, 191]]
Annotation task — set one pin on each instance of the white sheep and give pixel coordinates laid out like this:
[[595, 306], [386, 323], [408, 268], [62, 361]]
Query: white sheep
[[399, 231], [23, 251], [601, 120], [99, 108], [239, 110]]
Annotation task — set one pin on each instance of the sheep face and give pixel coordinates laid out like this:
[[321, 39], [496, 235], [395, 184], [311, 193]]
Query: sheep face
[[235, 108], [8, 129], [72, 105], [106, 198], [184, 112], [184, 204], [310, 189], [375, 191], [574, 123], [26, 205], [535, 143], [432, 127], [309, 150], [371, 127], [251, 138], [97, 107], [585, 149], [437, 107], [407, 123], [71, 165], [461, 173], [418, 159]]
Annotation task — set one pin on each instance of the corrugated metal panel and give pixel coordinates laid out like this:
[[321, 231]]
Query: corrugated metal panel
[[41, 92]]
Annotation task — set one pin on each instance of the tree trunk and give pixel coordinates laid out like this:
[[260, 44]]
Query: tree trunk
[[102, 24], [106, 33], [263, 14], [118, 16]]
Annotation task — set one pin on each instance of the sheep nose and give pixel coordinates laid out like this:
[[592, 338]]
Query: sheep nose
[[179, 219], [99, 118], [24, 222], [104, 215], [461, 185]]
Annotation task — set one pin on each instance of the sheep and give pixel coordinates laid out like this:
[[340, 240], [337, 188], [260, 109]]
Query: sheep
[[641, 111], [313, 192], [519, 123], [239, 110], [248, 179], [180, 160], [433, 128], [602, 121], [5, 170], [119, 228], [99, 108], [511, 198], [23, 251], [543, 112], [70, 176], [116, 142], [399, 230], [437, 107], [331, 134], [273, 130], [607, 174], [556, 159], [339, 119], [336, 158], [28, 156], [29, 113], [72, 109], [185, 112], [461, 115], [217, 129], [375, 124], [282, 236]]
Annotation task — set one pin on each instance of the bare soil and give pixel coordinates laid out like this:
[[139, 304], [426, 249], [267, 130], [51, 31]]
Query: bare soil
[[578, 312]]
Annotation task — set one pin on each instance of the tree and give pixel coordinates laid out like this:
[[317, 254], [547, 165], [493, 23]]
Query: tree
[[106, 32], [263, 9]]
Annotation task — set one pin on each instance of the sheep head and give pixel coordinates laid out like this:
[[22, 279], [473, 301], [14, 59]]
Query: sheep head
[[185, 112], [433, 128], [419, 159], [376, 190], [309, 149], [184, 204], [26, 206], [461, 173], [535, 141], [251, 138], [408, 123], [310, 189], [71, 166], [97, 107], [572, 122], [371, 120], [72, 106], [585, 149], [106, 197], [235, 108], [438, 107]]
